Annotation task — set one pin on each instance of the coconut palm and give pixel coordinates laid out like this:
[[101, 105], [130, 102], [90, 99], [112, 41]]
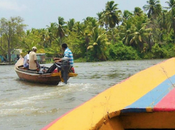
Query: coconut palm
[[127, 27], [134, 31], [112, 15], [43, 33], [127, 14], [61, 29], [171, 7], [161, 27], [78, 28], [70, 24], [100, 19], [153, 7], [171, 4], [125, 32], [141, 32], [138, 11], [31, 39], [52, 31], [98, 44], [89, 24], [140, 37]]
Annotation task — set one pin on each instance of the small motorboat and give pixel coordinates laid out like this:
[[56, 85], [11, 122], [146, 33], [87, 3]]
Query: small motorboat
[[40, 76]]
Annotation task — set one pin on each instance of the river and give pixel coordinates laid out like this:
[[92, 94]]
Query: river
[[29, 106]]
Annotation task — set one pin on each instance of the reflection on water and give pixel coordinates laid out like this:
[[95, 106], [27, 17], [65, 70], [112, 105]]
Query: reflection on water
[[29, 106]]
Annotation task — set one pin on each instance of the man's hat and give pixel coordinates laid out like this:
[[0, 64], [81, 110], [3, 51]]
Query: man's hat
[[34, 48]]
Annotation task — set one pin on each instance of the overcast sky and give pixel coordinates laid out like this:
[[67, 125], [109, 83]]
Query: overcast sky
[[40, 13]]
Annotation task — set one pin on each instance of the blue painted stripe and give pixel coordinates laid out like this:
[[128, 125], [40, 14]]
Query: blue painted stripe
[[152, 97]]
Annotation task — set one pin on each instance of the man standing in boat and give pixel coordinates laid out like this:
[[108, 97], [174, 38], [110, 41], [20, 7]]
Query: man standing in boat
[[66, 62], [33, 64]]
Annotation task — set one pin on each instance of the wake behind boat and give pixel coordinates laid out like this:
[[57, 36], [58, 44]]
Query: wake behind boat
[[36, 77]]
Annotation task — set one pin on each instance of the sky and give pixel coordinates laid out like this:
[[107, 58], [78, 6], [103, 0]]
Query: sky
[[40, 13]]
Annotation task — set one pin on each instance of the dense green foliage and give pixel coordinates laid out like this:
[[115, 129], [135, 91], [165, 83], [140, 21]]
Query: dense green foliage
[[145, 33]]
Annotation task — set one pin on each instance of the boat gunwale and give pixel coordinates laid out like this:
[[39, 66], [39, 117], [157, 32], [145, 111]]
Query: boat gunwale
[[27, 72]]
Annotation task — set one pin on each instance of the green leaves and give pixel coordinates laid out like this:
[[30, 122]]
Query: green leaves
[[131, 34], [11, 32]]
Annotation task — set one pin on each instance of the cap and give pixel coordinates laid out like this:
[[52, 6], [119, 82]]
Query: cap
[[34, 48]]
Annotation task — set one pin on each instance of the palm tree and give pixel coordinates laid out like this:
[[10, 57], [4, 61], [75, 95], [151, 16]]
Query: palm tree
[[125, 32], [126, 14], [138, 11], [171, 4], [140, 36], [135, 32], [111, 14], [52, 30], [43, 35], [70, 24], [31, 39], [153, 8], [127, 27], [61, 30], [98, 44], [89, 24], [78, 28], [161, 27], [100, 19]]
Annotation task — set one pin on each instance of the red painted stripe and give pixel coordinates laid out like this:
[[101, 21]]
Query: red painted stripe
[[52, 123], [167, 103]]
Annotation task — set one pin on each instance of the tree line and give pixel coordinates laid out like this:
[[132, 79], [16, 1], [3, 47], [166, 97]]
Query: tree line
[[148, 32]]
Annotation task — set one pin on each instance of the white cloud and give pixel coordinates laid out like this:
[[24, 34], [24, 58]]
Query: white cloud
[[13, 6]]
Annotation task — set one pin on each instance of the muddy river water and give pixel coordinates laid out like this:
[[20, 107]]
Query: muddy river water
[[28, 106]]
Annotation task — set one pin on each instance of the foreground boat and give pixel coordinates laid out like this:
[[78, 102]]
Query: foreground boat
[[145, 100], [36, 77]]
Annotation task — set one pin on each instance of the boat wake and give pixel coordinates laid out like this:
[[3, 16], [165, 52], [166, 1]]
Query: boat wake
[[31, 103]]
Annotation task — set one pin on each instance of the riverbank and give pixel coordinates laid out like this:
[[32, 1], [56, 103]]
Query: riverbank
[[6, 63]]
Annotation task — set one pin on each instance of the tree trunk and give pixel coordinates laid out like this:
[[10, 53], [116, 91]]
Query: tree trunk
[[60, 40], [9, 50], [174, 28]]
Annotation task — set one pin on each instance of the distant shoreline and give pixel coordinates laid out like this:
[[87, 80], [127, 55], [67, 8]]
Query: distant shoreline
[[6, 63]]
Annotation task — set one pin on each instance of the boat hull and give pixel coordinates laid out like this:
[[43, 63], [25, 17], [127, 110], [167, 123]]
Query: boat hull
[[44, 78], [50, 79]]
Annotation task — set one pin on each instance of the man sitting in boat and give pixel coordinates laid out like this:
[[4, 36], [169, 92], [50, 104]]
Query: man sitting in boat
[[33, 63], [26, 60]]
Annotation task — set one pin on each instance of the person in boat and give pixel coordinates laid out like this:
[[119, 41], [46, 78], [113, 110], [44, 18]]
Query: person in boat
[[68, 56], [33, 63], [65, 64], [26, 60]]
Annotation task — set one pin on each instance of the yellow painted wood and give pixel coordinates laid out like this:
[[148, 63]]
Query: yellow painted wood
[[59, 74], [72, 74], [93, 113]]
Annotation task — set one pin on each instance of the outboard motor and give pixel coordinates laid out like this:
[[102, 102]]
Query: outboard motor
[[65, 70]]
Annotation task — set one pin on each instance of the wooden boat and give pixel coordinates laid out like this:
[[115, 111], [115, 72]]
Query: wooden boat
[[42, 78], [145, 100]]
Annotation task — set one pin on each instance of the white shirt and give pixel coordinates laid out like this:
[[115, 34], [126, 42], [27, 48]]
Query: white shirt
[[26, 58]]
